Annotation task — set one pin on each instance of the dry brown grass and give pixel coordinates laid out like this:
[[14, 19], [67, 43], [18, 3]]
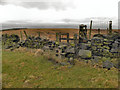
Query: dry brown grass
[[50, 33]]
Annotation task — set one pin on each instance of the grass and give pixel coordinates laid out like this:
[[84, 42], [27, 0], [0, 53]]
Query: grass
[[25, 70]]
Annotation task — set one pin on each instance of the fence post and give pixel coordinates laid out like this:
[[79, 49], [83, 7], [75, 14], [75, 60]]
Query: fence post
[[75, 39], [25, 34], [90, 29], [79, 34], [85, 31], [38, 34], [110, 27], [67, 37], [59, 37], [21, 35], [98, 30]]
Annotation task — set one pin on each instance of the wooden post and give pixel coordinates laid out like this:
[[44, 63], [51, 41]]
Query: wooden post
[[110, 27], [67, 37], [59, 37], [85, 31], [38, 34], [25, 34], [98, 30], [21, 35], [79, 33], [90, 29], [75, 39]]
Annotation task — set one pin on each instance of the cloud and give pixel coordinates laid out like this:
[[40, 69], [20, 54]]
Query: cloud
[[47, 5], [119, 14], [41, 4], [87, 20], [119, 10], [58, 12], [98, 22]]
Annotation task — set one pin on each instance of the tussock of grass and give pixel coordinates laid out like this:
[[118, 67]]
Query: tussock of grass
[[25, 70]]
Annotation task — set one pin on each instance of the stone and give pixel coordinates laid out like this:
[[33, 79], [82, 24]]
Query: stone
[[115, 45], [57, 43], [70, 66], [99, 36], [118, 40], [96, 59], [63, 54], [63, 63], [114, 50], [117, 64], [62, 46], [72, 44], [107, 64], [84, 54], [45, 48], [57, 51], [71, 60], [94, 48], [85, 46], [70, 50], [39, 52], [68, 55], [105, 51], [94, 52], [106, 47]]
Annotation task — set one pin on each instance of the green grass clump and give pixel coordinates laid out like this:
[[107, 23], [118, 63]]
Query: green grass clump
[[25, 70]]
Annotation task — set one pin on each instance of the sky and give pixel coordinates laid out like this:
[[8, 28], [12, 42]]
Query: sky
[[41, 13]]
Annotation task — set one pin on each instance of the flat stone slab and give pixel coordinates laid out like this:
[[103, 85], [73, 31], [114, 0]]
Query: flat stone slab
[[85, 54]]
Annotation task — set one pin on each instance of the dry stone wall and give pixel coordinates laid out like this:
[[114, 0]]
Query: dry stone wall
[[98, 48]]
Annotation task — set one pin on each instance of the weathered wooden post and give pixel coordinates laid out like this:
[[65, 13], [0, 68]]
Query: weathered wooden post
[[75, 39], [98, 30], [90, 29], [25, 34], [110, 27], [21, 35], [85, 33], [67, 37], [38, 34], [57, 37], [80, 33]]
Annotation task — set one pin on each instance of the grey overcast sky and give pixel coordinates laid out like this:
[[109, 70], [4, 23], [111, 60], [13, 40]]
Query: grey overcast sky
[[70, 12]]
